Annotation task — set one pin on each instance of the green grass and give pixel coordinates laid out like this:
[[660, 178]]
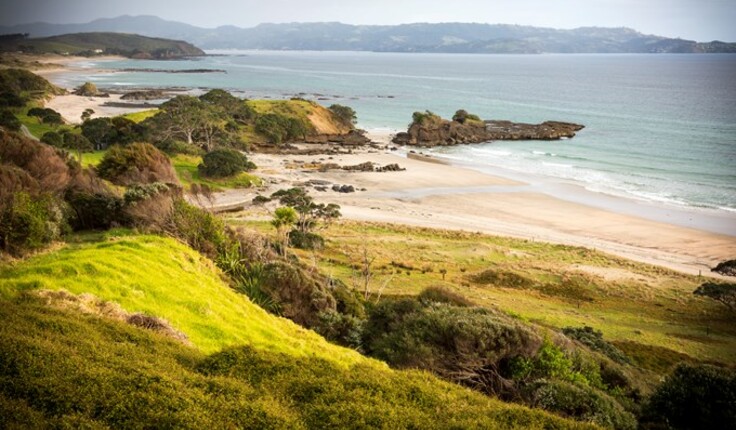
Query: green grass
[[91, 159], [140, 116], [162, 277], [68, 369], [186, 170], [638, 303]]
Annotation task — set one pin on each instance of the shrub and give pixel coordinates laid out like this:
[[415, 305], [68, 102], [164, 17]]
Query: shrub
[[302, 297], [173, 147], [465, 345], [53, 138], [30, 222], [462, 116], [136, 163], [581, 403], [420, 118], [224, 162], [40, 161], [345, 114], [593, 339], [279, 128], [93, 204], [443, 295], [11, 100], [9, 120], [46, 115], [100, 131], [695, 397], [308, 240], [150, 205], [502, 278], [197, 227]]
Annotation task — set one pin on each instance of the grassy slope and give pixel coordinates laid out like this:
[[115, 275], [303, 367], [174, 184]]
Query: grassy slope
[[648, 310], [162, 277], [64, 367]]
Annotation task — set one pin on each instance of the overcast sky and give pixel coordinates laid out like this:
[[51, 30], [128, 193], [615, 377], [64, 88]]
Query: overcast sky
[[701, 20]]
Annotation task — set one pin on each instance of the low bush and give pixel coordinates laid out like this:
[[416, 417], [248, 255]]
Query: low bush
[[308, 240], [224, 162], [593, 339], [136, 163], [150, 205], [444, 295], [9, 121], [40, 161], [462, 344], [581, 403], [695, 397], [28, 222], [93, 204], [502, 278], [199, 228]]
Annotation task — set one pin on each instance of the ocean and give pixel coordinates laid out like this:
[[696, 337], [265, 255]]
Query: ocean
[[660, 129]]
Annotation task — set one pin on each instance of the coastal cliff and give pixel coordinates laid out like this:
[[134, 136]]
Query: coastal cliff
[[428, 129]]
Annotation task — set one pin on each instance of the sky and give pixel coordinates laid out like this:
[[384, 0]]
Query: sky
[[701, 20]]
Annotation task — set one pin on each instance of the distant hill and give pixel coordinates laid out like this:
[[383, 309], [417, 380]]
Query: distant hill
[[421, 37], [128, 45]]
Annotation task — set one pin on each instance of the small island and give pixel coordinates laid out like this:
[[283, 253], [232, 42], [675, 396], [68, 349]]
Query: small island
[[429, 129]]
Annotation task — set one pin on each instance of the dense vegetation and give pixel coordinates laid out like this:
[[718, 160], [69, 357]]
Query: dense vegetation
[[89, 44]]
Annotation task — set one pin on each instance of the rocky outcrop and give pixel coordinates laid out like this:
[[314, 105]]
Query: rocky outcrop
[[435, 131], [144, 95], [352, 138]]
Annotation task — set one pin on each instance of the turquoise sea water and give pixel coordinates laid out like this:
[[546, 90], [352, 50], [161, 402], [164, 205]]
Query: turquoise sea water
[[659, 128]]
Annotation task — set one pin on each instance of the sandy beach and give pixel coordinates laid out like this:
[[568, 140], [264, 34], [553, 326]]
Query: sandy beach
[[432, 193]]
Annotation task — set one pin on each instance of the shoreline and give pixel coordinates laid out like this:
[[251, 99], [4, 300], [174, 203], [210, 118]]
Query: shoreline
[[440, 193]]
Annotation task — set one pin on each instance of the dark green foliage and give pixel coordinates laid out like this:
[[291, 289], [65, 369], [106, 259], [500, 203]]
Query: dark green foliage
[[53, 138], [29, 222], [581, 403], [345, 114], [93, 204], [87, 89], [502, 278], [593, 339], [46, 115], [136, 163], [260, 200], [459, 343], [345, 330], [695, 397], [197, 227], [443, 295], [230, 105], [126, 131], [726, 268], [100, 131], [173, 147], [279, 128], [224, 162], [723, 293], [550, 362], [11, 100], [302, 297], [9, 120], [301, 240]]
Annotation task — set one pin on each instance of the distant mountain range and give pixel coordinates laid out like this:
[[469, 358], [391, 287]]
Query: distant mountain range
[[446, 37]]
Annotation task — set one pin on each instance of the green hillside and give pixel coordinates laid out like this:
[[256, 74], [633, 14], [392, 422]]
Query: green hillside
[[76, 369], [128, 45]]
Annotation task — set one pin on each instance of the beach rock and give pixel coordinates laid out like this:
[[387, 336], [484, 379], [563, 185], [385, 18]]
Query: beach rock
[[435, 131], [391, 168], [362, 167], [343, 188], [144, 95]]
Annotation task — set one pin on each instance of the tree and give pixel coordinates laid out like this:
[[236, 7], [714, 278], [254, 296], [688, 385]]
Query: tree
[[283, 219], [310, 213], [87, 114], [695, 397], [724, 293], [76, 142], [345, 114], [189, 119], [46, 115], [229, 104], [9, 121], [100, 131], [224, 162]]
